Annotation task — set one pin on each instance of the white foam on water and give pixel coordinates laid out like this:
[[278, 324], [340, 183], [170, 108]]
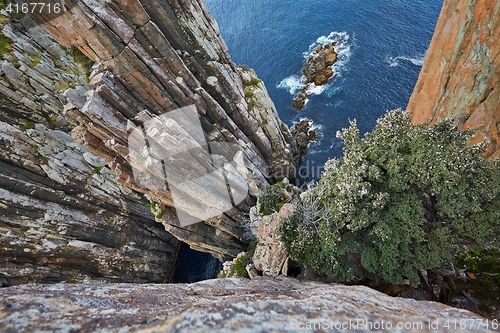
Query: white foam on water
[[294, 84], [318, 128], [332, 90], [313, 89], [393, 61]]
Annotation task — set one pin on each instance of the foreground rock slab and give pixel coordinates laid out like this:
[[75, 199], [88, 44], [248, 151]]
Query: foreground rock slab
[[225, 305]]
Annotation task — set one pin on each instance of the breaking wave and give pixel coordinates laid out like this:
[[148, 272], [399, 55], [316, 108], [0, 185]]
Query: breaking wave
[[295, 83], [417, 61]]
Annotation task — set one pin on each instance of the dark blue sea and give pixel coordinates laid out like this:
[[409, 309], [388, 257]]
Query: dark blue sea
[[381, 46]]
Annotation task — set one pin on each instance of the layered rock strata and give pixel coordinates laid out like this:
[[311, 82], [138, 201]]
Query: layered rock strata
[[63, 215], [460, 77], [154, 57], [225, 305]]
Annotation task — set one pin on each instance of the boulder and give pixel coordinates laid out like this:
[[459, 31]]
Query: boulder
[[270, 254]]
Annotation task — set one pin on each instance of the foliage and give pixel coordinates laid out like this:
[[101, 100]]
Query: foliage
[[156, 209], [97, 170], [6, 44], [239, 267], [253, 82], [160, 214], [81, 59], [401, 200], [251, 106], [27, 125], [484, 284], [36, 59], [272, 197], [249, 94], [3, 19]]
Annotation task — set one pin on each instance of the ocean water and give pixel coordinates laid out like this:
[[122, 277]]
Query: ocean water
[[381, 46]]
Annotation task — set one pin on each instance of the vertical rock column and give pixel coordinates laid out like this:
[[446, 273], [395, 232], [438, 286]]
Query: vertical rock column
[[63, 216], [460, 77], [157, 56]]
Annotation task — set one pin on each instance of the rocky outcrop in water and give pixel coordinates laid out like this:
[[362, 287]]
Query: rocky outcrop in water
[[461, 72], [303, 135], [317, 70], [225, 305]]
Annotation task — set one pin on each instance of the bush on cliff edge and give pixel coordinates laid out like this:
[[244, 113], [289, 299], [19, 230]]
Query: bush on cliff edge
[[403, 199]]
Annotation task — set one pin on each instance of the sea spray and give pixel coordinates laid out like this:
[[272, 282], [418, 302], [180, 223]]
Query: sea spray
[[342, 47]]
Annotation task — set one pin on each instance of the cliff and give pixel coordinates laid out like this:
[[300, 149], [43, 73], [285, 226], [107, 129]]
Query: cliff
[[70, 208], [157, 57], [460, 77], [224, 305], [63, 216]]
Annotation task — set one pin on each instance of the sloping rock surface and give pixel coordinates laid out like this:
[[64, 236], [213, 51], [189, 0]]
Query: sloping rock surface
[[69, 206], [224, 305]]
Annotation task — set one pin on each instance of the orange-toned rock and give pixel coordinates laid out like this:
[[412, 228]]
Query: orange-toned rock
[[461, 72]]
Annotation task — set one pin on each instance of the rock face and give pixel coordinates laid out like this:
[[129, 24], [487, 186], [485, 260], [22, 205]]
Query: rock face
[[70, 207], [270, 254], [318, 68], [63, 216], [461, 72], [224, 305]]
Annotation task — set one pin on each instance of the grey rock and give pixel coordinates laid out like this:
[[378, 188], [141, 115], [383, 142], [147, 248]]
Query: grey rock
[[224, 305]]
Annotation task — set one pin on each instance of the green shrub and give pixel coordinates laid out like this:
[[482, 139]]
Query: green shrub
[[272, 197], [27, 125], [97, 170], [6, 44], [253, 82], [81, 59], [36, 59], [3, 20], [160, 214], [239, 267], [401, 200], [251, 106], [485, 281]]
